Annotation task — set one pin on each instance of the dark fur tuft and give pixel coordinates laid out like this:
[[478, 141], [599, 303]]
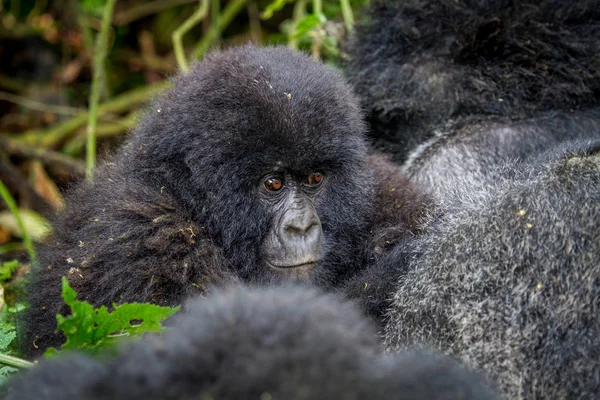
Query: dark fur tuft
[[418, 63], [286, 343]]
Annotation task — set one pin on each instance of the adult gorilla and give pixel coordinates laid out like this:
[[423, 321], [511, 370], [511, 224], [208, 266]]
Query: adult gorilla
[[253, 167], [493, 108], [452, 88]]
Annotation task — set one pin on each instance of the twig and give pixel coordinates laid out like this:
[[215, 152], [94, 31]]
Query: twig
[[109, 129], [143, 10], [150, 61], [12, 206], [99, 56], [15, 362], [298, 14], [254, 20], [57, 133], [177, 36], [317, 41], [48, 157], [232, 9], [12, 247], [348, 17], [215, 17], [317, 7], [39, 106]]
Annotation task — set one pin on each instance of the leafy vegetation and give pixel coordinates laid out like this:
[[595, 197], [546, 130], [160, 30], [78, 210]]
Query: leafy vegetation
[[92, 329], [87, 329]]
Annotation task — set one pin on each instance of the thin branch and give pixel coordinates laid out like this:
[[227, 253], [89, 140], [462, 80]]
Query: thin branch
[[15, 362], [348, 16], [48, 157], [149, 61], [254, 20], [126, 17], [12, 248], [59, 132], [12, 206], [106, 130], [298, 14], [39, 106], [317, 37], [232, 9], [189, 23], [317, 7], [99, 57], [215, 16]]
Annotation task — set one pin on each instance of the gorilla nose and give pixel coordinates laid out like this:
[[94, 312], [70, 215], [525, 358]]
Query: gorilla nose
[[297, 240], [303, 225]]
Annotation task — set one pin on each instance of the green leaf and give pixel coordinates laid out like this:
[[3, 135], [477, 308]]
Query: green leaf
[[92, 329], [7, 269], [7, 335], [5, 373], [273, 7], [308, 23]]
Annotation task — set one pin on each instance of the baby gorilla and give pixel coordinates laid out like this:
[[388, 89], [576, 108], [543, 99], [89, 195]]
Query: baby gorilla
[[284, 343], [253, 168]]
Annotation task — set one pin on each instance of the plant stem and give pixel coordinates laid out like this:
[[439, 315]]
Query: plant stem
[[38, 106], [232, 9], [57, 133], [298, 14], [99, 57], [215, 16], [15, 362], [144, 9], [48, 157], [317, 7], [348, 17], [12, 206], [188, 24]]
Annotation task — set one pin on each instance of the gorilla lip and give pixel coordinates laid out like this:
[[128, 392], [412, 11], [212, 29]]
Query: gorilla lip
[[307, 265]]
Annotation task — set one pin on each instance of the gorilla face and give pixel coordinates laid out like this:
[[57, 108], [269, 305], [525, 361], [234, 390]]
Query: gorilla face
[[266, 148], [294, 244]]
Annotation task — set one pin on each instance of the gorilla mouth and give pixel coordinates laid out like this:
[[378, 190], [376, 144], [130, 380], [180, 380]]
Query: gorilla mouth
[[300, 270], [310, 264]]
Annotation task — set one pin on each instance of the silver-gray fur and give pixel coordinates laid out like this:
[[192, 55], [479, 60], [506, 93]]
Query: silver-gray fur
[[508, 279], [493, 107]]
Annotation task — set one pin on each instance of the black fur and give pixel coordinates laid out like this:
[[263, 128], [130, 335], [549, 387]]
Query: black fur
[[176, 211], [493, 108], [425, 68], [286, 343]]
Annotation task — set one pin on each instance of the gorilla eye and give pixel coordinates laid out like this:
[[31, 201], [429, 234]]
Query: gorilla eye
[[273, 184], [315, 178]]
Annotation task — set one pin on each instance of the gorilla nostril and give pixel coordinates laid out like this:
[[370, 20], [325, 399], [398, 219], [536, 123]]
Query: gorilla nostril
[[301, 227]]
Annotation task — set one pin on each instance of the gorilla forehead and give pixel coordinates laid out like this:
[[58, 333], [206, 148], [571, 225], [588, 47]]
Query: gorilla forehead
[[261, 107]]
